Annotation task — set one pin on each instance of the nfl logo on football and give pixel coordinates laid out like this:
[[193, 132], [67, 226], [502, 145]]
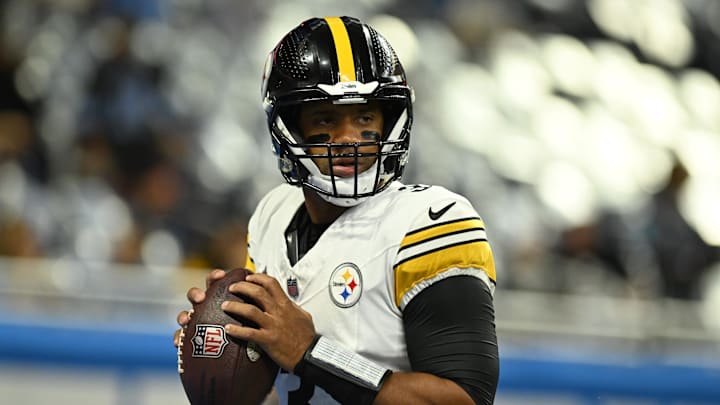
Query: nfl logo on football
[[209, 341]]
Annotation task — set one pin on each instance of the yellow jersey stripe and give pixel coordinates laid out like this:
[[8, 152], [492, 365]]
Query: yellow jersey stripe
[[425, 266], [441, 229], [343, 49], [249, 262]]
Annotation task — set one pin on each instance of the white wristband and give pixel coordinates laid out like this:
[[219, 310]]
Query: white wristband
[[337, 360]]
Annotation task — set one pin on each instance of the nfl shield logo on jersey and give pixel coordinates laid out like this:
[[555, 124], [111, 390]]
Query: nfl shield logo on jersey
[[292, 287], [345, 285], [209, 341]]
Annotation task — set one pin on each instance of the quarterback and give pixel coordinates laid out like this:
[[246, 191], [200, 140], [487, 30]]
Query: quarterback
[[368, 291]]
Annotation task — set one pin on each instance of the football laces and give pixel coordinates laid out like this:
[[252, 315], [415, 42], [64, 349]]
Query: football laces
[[181, 340]]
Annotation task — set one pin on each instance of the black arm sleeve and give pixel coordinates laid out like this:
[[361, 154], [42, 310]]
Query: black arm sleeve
[[450, 332]]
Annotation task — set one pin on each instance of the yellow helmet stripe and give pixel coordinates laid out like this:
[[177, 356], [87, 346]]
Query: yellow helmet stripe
[[343, 49]]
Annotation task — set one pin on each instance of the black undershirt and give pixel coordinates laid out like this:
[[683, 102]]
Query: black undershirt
[[302, 234], [450, 332], [449, 326]]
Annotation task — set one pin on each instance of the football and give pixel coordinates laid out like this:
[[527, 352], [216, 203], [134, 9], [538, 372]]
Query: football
[[214, 367]]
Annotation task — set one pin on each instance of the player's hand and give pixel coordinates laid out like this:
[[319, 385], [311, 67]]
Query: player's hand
[[195, 296], [284, 330]]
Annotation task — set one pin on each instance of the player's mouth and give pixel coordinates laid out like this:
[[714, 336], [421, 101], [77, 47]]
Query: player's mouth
[[344, 167]]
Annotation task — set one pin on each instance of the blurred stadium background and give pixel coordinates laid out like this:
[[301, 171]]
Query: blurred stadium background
[[133, 148]]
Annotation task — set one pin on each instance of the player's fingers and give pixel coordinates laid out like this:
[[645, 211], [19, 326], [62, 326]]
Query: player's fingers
[[269, 283], [196, 295], [257, 293], [183, 317], [244, 333], [245, 311], [213, 276], [176, 338]]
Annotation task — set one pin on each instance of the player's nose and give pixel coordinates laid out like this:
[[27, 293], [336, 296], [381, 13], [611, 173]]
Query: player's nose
[[347, 131]]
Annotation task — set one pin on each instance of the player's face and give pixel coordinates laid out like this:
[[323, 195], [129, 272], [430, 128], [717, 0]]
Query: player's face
[[324, 123]]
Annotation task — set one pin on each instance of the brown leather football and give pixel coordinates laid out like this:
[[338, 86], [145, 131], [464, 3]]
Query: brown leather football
[[215, 368]]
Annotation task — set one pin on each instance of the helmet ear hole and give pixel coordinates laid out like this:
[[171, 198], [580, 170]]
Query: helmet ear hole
[[391, 113], [390, 164], [290, 115], [286, 165]]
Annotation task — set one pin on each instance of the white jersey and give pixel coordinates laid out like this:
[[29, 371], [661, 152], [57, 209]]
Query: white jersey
[[367, 266]]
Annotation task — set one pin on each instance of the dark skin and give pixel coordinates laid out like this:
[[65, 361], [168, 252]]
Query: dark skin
[[323, 123], [285, 330]]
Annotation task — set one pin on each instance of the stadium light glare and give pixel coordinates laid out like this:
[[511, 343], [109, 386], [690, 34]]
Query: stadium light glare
[[522, 79], [567, 191], [230, 154], [614, 17], [559, 125], [517, 156], [398, 33], [700, 94], [614, 81], [698, 204], [160, 249], [469, 117], [656, 108], [699, 151], [570, 63], [609, 153], [663, 34]]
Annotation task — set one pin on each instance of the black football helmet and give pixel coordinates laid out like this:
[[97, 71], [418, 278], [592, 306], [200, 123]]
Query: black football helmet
[[343, 61]]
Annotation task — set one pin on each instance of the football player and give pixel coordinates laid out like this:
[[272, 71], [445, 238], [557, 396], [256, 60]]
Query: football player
[[367, 290]]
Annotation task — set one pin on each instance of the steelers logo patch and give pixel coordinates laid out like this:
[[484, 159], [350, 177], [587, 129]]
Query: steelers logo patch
[[345, 285]]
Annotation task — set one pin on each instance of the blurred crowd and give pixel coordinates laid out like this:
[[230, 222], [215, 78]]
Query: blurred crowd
[[132, 132], [96, 163]]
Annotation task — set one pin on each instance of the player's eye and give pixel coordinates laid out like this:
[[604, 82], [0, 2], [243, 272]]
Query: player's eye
[[323, 120], [366, 119]]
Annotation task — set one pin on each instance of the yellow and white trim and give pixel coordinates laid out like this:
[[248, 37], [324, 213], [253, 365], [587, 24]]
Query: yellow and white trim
[[426, 254]]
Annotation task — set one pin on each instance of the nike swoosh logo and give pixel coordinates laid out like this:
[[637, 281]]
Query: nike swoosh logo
[[435, 215]]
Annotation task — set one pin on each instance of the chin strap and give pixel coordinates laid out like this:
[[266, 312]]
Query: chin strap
[[343, 202]]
